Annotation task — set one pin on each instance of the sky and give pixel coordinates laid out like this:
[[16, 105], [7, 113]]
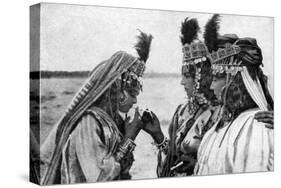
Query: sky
[[77, 37]]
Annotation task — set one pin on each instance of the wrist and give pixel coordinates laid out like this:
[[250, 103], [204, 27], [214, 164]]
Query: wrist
[[132, 134], [163, 146], [158, 137]]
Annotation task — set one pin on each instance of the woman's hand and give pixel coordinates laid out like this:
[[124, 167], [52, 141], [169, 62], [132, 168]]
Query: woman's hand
[[153, 128], [266, 117], [133, 128]]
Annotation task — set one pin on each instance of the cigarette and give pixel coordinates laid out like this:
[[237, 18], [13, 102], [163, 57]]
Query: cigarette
[[176, 166]]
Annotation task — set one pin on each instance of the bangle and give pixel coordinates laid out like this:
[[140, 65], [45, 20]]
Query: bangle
[[127, 147], [163, 146]]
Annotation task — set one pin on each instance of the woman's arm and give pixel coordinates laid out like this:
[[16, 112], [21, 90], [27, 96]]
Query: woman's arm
[[93, 150]]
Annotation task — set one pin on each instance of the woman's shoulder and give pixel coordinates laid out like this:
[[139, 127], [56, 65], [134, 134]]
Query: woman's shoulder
[[98, 120], [203, 118], [181, 108], [206, 114], [245, 119], [245, 124]]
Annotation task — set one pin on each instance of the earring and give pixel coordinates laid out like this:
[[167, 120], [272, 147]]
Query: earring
[[123, 97]]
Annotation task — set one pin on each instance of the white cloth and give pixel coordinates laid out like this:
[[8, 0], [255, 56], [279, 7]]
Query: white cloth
[[254, 89], [245, 145]]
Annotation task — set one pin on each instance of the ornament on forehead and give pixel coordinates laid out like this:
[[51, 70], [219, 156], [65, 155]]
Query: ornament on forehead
[[223, 50], [194, 50], [194, 53], [233, 58], [225, 60]]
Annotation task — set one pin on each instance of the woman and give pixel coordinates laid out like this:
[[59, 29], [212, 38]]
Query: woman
[[177, 157], [93, 142], [238, 142]]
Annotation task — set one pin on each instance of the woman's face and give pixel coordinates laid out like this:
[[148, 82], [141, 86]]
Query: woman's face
[[218, 85], [188, 82], [128, 99]]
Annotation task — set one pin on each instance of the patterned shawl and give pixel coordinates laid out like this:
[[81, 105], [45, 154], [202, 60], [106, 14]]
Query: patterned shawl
[[101, 78]]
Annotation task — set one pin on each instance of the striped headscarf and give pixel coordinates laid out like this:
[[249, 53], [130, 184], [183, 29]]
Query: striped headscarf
[[119, 68], [100, 80]]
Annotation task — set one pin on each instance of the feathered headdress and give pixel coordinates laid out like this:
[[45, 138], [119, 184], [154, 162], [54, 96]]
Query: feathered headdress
[[193, 52], [143, 45], [211, 33], [189, 30]]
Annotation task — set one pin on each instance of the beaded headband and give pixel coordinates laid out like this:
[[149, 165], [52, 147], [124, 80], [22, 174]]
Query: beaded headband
[[194, 53], [133, 76], [223, 60]]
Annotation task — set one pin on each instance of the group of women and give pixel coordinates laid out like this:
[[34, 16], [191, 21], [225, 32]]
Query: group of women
[[225, 126]]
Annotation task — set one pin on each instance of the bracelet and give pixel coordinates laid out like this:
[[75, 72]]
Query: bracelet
[[163, 146], [127, 147]]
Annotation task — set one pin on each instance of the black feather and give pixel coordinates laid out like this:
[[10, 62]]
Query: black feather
[[211, 33], [143, 45], [189, 30]]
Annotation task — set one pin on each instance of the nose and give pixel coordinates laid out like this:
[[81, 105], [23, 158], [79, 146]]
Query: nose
[[135, 100], [183, 80]]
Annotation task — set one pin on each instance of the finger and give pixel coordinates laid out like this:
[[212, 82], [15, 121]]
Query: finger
[[264, 114], [259, 116], [152, 114], [269, 126], [154, 117], [266, 120]]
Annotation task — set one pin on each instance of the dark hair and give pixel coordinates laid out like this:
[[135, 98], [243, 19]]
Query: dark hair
[[191, 69], [205, 80], [237, 99]]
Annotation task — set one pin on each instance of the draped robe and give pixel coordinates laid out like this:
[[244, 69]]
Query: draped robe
[[243, 145]]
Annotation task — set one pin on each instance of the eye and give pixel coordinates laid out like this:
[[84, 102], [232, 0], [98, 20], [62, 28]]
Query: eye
[[186, 75], [133, 93]]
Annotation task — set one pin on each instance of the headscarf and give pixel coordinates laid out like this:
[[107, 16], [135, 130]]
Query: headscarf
[[101, 78], [248, 62]]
